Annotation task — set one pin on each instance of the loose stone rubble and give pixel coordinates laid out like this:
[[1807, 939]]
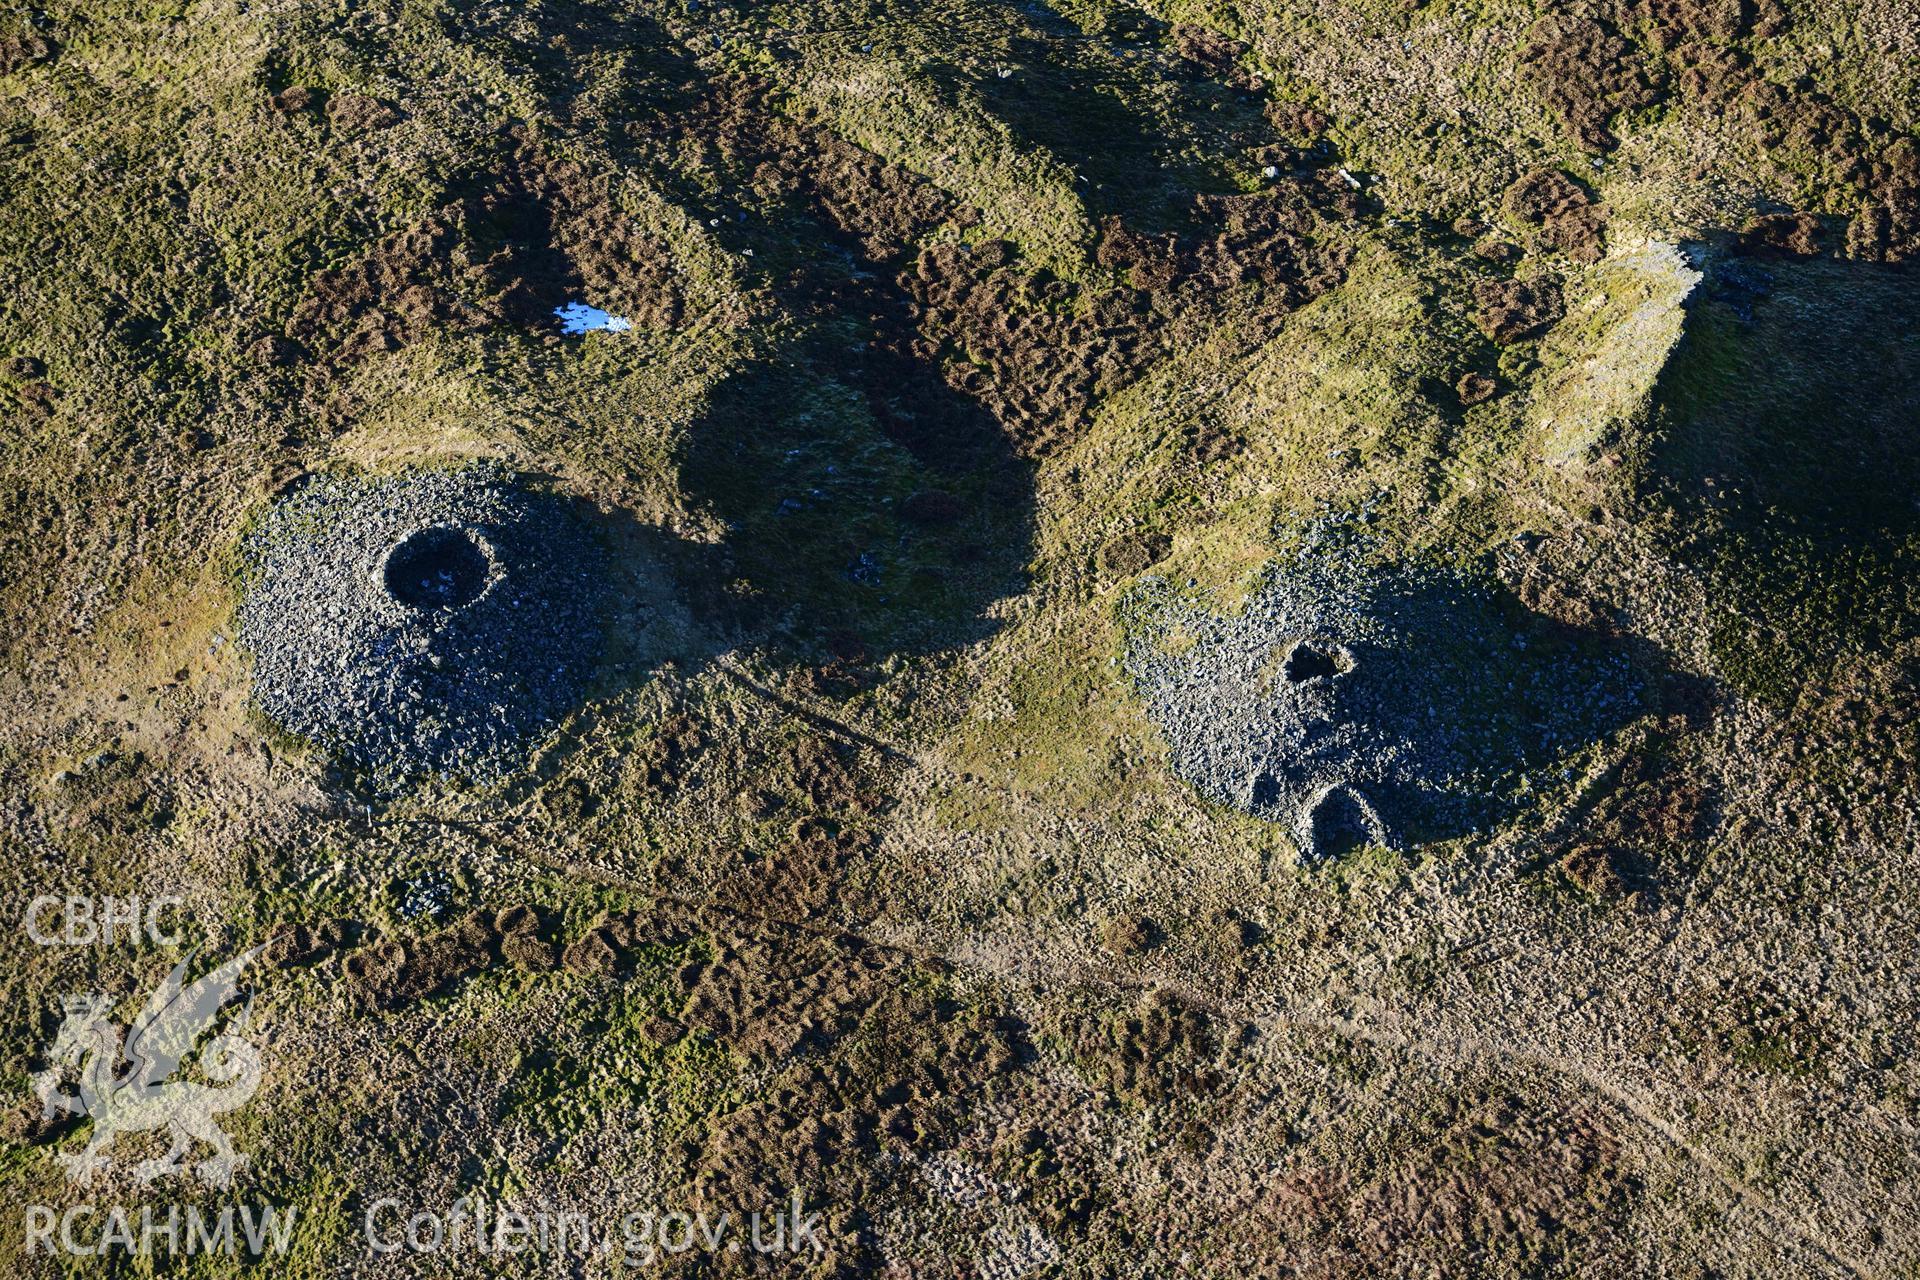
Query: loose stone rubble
[[429, 622], [1362, 703]]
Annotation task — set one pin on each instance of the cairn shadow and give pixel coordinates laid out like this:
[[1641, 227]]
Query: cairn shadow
[[873, 510], [1144, 126], [1787, 442], [1476, 698]]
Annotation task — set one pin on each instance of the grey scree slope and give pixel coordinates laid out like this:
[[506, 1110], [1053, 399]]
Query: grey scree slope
[[426, 622], [1366, 704]]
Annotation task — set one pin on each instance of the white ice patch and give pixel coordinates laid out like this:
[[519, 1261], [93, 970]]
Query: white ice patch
[[578, 317]]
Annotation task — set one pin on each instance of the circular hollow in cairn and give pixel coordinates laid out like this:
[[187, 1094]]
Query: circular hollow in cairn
[[1316, 660], [437, 568]]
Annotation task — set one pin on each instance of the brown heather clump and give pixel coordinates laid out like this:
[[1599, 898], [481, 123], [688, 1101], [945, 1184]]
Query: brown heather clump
[[1475, 388], [1509, 311], [1796, 235], [525, 239], [1561, 212], [1587, 72]]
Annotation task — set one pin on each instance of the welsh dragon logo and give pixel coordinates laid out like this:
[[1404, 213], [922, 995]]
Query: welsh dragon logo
[[144, 1094]]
